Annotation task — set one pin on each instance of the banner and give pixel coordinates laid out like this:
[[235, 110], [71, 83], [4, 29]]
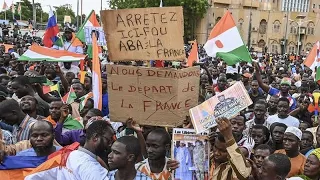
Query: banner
[[226, 104], [192, 151], [144, 33], [152, 96], [88, 30]]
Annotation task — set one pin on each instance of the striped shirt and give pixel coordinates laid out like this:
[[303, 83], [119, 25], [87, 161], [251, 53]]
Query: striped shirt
[[144, 167], [139, 176], [22, 132]]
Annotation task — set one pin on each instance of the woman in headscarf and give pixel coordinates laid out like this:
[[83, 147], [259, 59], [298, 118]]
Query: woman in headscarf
[[311, 168]]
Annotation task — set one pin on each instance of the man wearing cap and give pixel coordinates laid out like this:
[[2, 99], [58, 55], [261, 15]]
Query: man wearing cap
[[291, 143], [284, 88], [69, 43]]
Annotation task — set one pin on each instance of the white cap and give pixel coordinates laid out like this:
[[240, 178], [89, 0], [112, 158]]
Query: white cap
[[297, 132], [281, 68]]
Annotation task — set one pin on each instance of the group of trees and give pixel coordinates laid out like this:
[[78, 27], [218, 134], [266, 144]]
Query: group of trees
[[193, 11], [41, 16]]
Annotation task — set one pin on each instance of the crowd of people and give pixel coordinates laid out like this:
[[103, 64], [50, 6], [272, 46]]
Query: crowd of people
[[275, 138]]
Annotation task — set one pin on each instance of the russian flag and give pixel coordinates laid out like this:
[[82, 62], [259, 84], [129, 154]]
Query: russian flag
[[52, 31]]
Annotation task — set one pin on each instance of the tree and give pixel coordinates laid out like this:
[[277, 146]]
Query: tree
[[193, 11]]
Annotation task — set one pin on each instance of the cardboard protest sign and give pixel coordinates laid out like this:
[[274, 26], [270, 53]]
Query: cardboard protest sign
[[152, 96], [192, 151], [101, 41], [144, 33], [226, 104]]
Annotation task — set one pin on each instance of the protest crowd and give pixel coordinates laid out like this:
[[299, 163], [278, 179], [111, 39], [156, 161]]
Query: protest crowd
[[54, 126]]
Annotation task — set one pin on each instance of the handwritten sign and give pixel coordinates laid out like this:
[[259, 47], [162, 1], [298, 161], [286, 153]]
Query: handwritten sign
[[99, 34], [226, 104], [144, 33], [152, 96]]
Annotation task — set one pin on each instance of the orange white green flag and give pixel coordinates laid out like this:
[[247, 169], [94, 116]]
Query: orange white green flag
[[226, 43], [313, 60], [96, 74]]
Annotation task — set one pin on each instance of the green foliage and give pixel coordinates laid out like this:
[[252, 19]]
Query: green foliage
[[193, 11]]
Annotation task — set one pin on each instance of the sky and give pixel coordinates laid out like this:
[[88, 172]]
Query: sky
[[88, 5]]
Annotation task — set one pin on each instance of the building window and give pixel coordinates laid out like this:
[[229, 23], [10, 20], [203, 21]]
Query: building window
[[294, 28], [276, 26], [218, 19], [308, 47], [310, 29], [291, 49], [314, 6], [274, 48], [263, 26], [261, 43]]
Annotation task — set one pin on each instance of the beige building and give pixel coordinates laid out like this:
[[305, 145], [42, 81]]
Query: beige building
[[272, 30]]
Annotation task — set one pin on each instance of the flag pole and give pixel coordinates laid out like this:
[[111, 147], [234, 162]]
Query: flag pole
[[5, 15]]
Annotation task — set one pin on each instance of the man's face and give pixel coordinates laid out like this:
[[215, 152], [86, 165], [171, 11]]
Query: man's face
[[277, 134], [259, 111], [87, 117], [219, 151], [284, 88], [10, 117], [86, 108], [50, 74], [28, 103], [245, 79], [41, 138], [118, 157], [156, 148], [55, 110], [273, 102], [68, 35], [103, 143], [79, 90], [254, 86], [311, 168], [258, 136], [306, 140], [293, 90], [87, 83], [67, 65], [260, 155], [222, 82], [283, 108], [303, 126], [318, 137], [215, 72], [290, 142], [70, 76], [268, 171], [19, 89], [238, 125]]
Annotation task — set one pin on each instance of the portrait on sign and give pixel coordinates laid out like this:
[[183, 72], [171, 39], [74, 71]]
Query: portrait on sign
[[101, 40]]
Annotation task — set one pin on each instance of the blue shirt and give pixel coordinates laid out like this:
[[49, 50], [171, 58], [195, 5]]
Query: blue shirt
[[31, 152], [293, 102], [105, 105]]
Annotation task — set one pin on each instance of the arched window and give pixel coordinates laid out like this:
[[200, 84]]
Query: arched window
[[294, 28], [308, 47], [292, 48], [261, 43], [274, 47], [240, 24], [218, 19], [263, 26], [276, 26], [310, 29]]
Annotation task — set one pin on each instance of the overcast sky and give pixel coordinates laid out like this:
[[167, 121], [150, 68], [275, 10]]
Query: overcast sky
[[88, 5]]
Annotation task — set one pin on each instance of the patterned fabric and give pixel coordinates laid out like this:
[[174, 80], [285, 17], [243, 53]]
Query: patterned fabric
[[7, 137], [139, 176], [21, 132], [144, 167], [316, 152]]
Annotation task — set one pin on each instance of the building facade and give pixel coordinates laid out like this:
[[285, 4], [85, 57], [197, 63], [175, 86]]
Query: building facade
[[271, 30]]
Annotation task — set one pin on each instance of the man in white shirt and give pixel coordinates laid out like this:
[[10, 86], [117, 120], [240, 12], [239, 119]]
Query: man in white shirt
[[69, 67], [83, 163], [283, 115]]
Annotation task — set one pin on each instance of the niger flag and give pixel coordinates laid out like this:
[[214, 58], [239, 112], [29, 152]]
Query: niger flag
[[225, 42]]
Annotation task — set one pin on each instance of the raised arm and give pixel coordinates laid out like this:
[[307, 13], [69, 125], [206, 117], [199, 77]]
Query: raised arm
[[236, 158], [263, 86], [132, 125]]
